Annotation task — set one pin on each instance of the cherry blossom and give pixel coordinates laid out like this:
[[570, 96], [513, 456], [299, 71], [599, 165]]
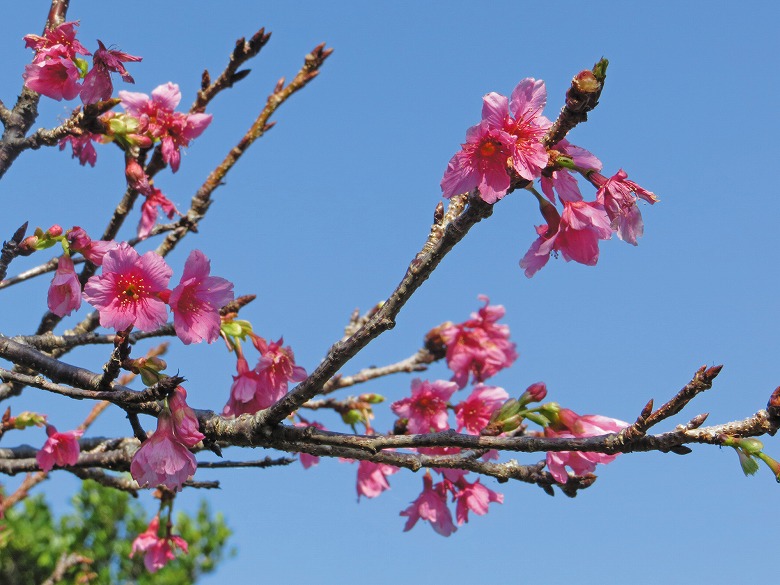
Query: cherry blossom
[[185, 423], [163, 459], [82, 147], [479, 347], [197, 299], [56, 42], [372, 478], [561, 181], [474, 412], [157, 551], [59, 449], [92, 250], [431, 506], [618, 195], [65, 289], [57, 79], [97, 83], [155, 200], [127, 292], [473, 497], [426, 409]]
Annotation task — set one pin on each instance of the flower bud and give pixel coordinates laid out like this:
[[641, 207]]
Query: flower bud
[[352, 417], [534, 393], [54, 231], [371, 398], [586, 82], [28, 419]]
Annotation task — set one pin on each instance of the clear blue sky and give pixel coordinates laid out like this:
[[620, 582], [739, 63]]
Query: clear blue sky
[[325, 212]]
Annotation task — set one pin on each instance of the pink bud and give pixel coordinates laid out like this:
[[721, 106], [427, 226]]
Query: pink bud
[[55, 231], [537, 392]]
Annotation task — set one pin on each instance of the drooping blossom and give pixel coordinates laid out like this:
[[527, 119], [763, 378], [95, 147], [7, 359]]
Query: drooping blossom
[[307, 460], [372, 478], [92, 250], [154, 201], [582, 224], [163, 458], [82, 147], [474, 412], [55, 78], [97, 83], [173, 129], [197, 299], [510, 133], [157, 551], [479, 347], [59, 449], [127, 292], [185, 423], [243, 390], [561, 181], [618, 195], [431, 505], [571, 425], [426, 409], [65, 290], [473, 497]]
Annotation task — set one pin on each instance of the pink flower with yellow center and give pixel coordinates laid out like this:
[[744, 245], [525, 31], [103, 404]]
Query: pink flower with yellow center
[[426, 409], [127, 292]]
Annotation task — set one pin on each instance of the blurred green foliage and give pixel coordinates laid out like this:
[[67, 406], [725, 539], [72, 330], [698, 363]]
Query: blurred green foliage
[[101, 527]]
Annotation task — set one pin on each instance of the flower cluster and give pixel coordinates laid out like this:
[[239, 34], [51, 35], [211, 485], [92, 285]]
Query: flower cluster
[[164, 458], [157, 551], [57, 70], [506, 150], [480, 346], [131, 291], [267, 382]]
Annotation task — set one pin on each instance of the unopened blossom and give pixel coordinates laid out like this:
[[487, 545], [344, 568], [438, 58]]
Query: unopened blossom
[[197, 299], [571, 425], [126, 293], [619, 196], [157, 551], [163, 459], [474, 412], [582, 224], [59, 449], [97, 83], [426, 409], [55, 78], [185, 423], [479, 347], [82, 147], [372, 478], [65, 290], [561, 181], [173, 129], [92, 250], [431, 506], [473, 497]]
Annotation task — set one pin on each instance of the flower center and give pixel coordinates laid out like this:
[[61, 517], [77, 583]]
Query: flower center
[[488, 148]]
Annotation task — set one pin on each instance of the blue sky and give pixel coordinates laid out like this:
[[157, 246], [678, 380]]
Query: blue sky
[[325, 212]]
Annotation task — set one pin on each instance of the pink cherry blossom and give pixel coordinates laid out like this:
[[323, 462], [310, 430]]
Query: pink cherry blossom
[[82, 147], [431, 505], [275, 368], [372, 478], [56, 42], [481, 163], [185, 423], [55, 78], [479, 347], [163, 458], [97, 83], [92, 250], [155, 200], [426, 409], [127, 292], [474, 413], [243, 391], [173, 129], [570, 425], [197, 299], [582, 224], [618, 195], [157, 551], [473, 497], [524, 123], [65, 290], [59, 449], [561, 181]]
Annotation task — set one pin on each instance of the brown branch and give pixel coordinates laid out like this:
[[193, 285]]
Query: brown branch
[[415, 363], [80, 121], [64, 564], [10, 250], [202, 199], [261, 463]]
